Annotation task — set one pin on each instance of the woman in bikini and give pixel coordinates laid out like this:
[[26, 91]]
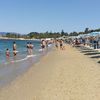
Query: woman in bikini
[[14, 49]]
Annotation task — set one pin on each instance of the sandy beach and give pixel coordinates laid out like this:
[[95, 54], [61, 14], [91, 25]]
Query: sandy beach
[[60, 75]]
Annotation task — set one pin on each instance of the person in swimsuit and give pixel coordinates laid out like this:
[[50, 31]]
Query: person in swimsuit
[[31, 47], [56, 44], [14, 49], [43, 45], [28, 47], [61, 44], [7, 53]]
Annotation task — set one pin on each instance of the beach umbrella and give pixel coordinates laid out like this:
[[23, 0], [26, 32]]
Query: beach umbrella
[[86, 35], [94, 34], [82, 35]]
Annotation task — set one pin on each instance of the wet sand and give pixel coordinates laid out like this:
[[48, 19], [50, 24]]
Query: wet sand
[[60, 75]]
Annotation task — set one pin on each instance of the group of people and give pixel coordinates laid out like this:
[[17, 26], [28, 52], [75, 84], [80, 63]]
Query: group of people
[[29, 46], [75, 42], [29, 49], [91, 41], [14, 50], [45, 44], [59, 43]]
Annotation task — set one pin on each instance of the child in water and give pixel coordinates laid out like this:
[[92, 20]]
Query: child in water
[[7, 53]]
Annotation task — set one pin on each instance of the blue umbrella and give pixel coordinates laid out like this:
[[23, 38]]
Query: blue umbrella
[[94, 34]]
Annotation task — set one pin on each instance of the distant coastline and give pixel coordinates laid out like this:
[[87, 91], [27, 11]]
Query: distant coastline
[[17, 38]]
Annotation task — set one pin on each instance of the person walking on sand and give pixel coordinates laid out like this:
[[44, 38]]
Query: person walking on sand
[[56, 44], [43, 45], [61, 44], [14, 48]]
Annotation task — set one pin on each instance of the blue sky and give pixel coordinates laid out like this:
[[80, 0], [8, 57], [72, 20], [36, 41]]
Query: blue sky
[[24, 16]]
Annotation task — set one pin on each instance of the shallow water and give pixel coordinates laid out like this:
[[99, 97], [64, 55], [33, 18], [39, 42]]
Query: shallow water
[[15, 66], [21, 48]]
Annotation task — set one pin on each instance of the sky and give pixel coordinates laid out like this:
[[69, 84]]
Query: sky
[[25, 16]]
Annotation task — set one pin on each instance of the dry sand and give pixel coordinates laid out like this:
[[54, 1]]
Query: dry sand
[[60, 75]]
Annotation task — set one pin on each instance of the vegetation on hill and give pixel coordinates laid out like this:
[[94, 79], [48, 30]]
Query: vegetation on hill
[[47, 34]]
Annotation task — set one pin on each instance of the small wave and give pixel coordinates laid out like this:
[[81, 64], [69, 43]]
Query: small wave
[[40, 50], [28, 56], [17, 51], [49, 45], [19, 60]]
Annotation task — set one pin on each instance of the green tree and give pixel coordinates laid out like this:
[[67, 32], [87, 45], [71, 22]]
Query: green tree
[[73, 34], [86, 30], [62, 33]]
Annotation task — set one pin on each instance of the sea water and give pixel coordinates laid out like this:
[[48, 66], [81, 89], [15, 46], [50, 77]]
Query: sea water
[[14, 66]]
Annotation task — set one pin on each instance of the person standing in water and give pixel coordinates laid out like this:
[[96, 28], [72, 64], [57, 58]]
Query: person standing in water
[[43, 45], [30, 48], [14, 48]]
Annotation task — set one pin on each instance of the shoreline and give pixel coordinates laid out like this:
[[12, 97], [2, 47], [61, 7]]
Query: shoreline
[[18, 38], [13, 69], [59, 75]]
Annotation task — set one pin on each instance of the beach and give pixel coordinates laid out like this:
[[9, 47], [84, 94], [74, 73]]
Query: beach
[[59, 75]]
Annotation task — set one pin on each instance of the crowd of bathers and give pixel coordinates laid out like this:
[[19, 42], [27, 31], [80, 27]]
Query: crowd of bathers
[[14, 47], [29, 46], [14, 50], [45, 43], [59, 43], [86, 41]]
